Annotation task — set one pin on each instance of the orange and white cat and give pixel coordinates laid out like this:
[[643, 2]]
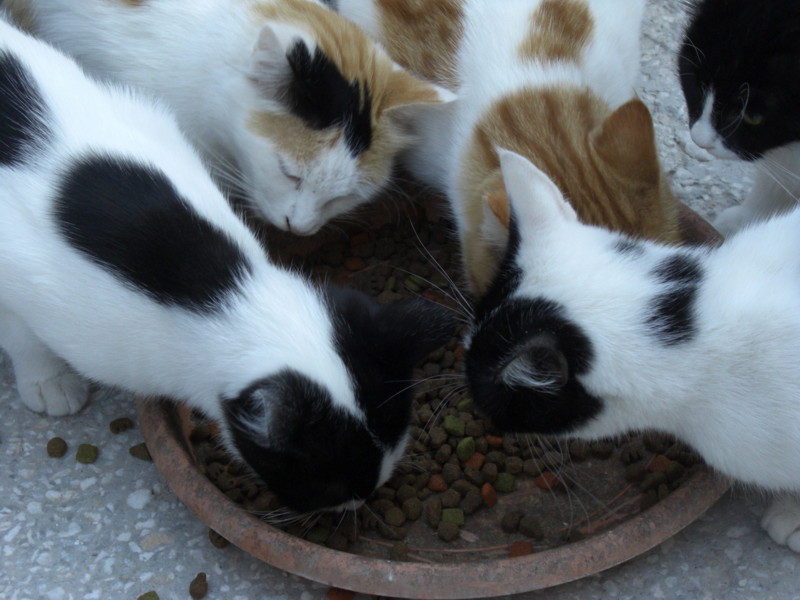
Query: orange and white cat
[[289, 102], [552, 80]]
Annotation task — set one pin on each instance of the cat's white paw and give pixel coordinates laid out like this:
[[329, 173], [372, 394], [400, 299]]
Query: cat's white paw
[[64, 393], [782, 521]]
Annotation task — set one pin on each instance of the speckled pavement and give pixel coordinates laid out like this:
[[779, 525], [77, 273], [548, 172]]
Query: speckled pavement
[[113, 530]]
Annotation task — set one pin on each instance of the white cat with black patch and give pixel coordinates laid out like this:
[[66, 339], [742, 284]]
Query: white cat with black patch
[[293, 105], [740, 73], [120, 259], [589, 333]]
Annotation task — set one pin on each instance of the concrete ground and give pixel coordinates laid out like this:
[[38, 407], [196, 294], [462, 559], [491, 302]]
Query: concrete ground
[[114, 530]]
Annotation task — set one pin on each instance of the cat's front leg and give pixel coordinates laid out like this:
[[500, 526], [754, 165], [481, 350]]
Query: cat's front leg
[[782, 521], [45, 382]]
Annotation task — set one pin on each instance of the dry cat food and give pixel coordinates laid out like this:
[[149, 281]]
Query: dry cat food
[[198, 588], [120, 425], [56, 447], [140, 451], [151, 595], [463, 484], [87, 453]]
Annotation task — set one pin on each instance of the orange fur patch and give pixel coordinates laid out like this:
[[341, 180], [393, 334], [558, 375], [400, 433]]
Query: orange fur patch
[[423, 36], [292, 136], [559, 30], [604, 163]]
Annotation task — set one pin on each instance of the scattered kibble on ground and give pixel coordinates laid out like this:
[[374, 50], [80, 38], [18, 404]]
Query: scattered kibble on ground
[[86, 454], [198, 588]]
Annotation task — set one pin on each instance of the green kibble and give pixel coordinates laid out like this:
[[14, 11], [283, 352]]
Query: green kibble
[[86, 453], [140, 451], [151, 595], [120, 425], [453, 425], [412, 285], [198, 588], [318, 535], [389, 285], [465, 405], [505, 482], [465, 449], [56, 447], [453, 515]]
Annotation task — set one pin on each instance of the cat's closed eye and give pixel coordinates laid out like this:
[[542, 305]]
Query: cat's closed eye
[[296, 181]]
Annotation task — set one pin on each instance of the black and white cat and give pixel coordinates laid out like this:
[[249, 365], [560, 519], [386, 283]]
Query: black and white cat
[[120, 259], [590, 333], [740, 73]]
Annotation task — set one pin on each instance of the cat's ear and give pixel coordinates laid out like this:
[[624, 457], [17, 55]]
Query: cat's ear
[[539, 365], [626, 142], [408, 99], [269, 66], [536, 203]]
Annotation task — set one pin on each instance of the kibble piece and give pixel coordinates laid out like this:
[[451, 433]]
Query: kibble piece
[[489, 471], [529, 527], [86, 454], [453, 425], [433, 512], [140, 451], [472, 501], [578, 450], [465, 449], [447, 531], [399, 551], [406, 491], [151, 595], [454, 515], [120, 425], [450, 499], [318, 534], [198, 588], [451, 472], [217, 540], [505, 482], [602, 449], [635, 472], [395, 516], [412, 508], [520, 548], [56, 447], [489, 495], [514, 465], [510, 521]]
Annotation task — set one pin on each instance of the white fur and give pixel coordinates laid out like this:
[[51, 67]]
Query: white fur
[[733, 391], [777, 183], [56, 303], [205, 59]]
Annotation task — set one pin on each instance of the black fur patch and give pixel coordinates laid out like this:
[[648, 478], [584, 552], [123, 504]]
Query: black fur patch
[[129, 219], [310, 453], [747, 54], [501, 338], [22, 110], [319, 94], [380, 344], [671, 313]]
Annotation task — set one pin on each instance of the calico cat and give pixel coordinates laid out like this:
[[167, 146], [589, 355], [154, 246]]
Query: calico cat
[[292, 104], [739, 69], [120, 259], [550, 79], [590, 333]]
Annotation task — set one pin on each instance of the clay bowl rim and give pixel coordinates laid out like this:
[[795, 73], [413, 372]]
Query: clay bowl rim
[[159, 422], [160, 425]]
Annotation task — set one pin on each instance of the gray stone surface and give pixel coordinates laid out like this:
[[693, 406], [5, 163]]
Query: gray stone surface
[[113, 529]]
